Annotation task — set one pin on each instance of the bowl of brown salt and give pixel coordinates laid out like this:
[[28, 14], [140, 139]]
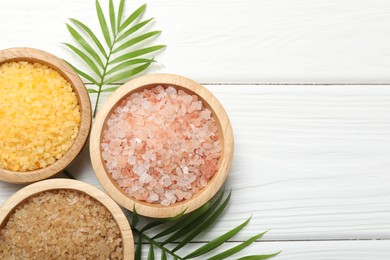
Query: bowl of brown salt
[[161, 144], [63, 218], [45, 115]]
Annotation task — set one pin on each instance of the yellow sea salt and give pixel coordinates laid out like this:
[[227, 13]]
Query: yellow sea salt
[[39, 116]]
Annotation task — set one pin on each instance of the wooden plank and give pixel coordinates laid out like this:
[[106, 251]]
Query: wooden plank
[[311, 162], [306, 250], [233, 41]]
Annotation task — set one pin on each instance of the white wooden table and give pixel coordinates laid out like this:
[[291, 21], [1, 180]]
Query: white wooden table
[[307, 87]]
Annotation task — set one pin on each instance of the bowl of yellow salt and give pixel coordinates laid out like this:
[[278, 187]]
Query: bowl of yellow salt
[[45, 115]]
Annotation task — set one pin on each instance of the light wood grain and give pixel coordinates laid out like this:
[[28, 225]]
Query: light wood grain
[[311, 162], [35, 55], [230, 40], [225, 135], [306, 250], [22, 195]]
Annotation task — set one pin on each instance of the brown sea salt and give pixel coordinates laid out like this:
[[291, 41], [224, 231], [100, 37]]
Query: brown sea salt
[[161, 145], [61, 224]]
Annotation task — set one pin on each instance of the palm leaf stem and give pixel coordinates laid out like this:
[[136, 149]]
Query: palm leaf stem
[[100, 85], [157, 244]]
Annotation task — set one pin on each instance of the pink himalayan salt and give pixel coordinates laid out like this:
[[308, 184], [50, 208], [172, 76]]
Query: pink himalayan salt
[[161, 145]]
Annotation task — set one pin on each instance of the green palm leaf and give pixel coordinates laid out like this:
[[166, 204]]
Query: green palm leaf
[[101, 62], [90, 90], [85, 58], [127, 64], [217, 242], [189, 227], [184, 222], [198, 229], [258, 257], [136, 40], [237, 248], [134, 29], [112, 18], [91, 34], [135, 218], [120, 13], [137, 13], [84, 44], [163, 255], [151, 252], [162, 221], [103, 23], [109, 89], [137, 53], [128, 74], [82, 74], [208, 213], [138, 251]]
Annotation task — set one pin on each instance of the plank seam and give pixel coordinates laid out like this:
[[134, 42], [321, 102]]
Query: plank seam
[[288, 241], [272, 84]]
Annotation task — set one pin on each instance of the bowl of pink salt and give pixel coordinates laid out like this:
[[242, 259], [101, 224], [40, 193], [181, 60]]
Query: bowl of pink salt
[[45, 115], [161, 144]]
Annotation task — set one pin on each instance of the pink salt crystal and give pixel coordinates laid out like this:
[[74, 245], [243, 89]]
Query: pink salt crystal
[[161, 145], [187, 195], [169, 194], [165, 180], [165, 202], [179, 194], [135, 188], [171, 90], [158, 190], [203, 182], [179, 171], [131, 160], [206, 114], [144, 195], [145, 178], [153, 197]]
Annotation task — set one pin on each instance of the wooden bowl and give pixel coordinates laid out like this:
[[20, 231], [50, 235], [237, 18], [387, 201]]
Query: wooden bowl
[[34, 55], [66, 184], [224, 130]]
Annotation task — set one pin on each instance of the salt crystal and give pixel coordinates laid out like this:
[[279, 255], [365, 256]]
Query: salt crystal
[[171, 90], [178, 171], [206, 114], [165, 180], [179, 194], [153, 197], [131, 160], [187, 195], [161, 145], [165, 202], [169, 194], [145, 104], [126, 109], [105, 146], [134, 188], [145, 178], [159, 190]]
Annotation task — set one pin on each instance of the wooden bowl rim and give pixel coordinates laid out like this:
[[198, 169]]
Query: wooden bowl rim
[[156, 210], [57, 184], [39, 56]]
